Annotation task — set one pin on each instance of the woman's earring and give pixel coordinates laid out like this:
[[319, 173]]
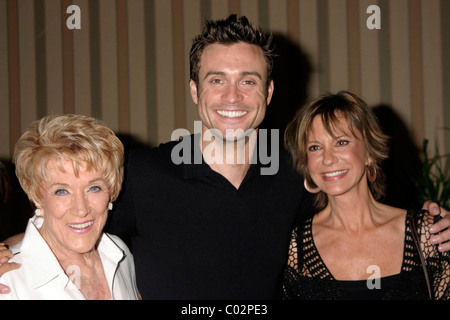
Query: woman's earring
[[371, 172], [309, 189], [110, 206], [38, 212]]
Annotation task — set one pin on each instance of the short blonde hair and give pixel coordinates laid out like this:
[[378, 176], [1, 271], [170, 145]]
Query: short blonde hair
[[76, 138], [358, 116]]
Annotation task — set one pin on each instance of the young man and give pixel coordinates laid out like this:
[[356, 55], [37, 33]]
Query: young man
[[215, 227]]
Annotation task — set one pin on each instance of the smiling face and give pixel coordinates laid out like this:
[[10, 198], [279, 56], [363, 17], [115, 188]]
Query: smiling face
[[336, 164], [232, 92], [74, 208]]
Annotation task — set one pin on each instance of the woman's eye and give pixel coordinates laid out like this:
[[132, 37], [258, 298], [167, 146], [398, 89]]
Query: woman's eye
[[313, 148], [95, 189], [342, 142], [61, 192]]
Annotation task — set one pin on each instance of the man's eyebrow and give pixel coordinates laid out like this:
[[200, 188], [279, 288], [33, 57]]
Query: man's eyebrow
[[252, 73], [244, 73], [214, 73]]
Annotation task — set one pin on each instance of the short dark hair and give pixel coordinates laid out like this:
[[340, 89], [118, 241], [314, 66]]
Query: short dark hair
[[229, 31]]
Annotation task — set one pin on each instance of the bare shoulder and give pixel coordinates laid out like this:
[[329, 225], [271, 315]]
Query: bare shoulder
[[392, 215]]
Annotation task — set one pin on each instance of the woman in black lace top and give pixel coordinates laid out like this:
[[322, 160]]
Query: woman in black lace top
[[355, 247]]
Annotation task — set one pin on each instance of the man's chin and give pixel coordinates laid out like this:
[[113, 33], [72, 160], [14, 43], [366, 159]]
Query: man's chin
[[231, 135]]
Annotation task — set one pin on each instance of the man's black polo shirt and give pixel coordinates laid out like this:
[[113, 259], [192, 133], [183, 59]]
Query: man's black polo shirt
[[195, 236]]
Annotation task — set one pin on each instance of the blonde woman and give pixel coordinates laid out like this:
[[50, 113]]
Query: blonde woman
[[71, 168]]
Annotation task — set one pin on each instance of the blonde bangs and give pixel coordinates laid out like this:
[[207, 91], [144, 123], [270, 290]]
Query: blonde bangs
[[84, 141]]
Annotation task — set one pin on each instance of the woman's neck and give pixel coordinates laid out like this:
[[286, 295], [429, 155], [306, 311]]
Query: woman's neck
[[354, 212]]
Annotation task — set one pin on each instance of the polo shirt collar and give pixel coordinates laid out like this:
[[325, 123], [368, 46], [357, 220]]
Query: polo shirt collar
[[196, 169]]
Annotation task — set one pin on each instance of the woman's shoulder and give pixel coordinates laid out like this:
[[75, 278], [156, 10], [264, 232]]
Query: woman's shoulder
[[391, 212], [390, 218]]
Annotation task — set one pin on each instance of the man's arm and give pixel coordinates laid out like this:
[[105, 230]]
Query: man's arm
[[441, 227], [5, 255], [13, 239]]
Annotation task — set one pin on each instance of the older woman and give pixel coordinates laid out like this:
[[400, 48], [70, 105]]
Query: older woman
[[355, 246], [71, 168]]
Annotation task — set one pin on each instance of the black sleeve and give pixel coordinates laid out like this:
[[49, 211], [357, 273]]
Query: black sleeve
[[122, 219], [307, 208]]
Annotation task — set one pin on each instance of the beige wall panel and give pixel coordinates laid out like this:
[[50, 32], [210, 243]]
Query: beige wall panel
[[192, 27], [164, 70], [108, 68], [234, 6], [370, 59], [27, 60], [278, 16], [432, 74], [249, 8], [123, 66], [400, 60], [413, 61], [339, 79], [354, 47], [219, 9], [82, 62], [309, 41], [138, 95], [4, 85], [416, 70], [53, 53], [292, 20], [179, 85]]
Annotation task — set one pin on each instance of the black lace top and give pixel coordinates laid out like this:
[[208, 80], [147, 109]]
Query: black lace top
[[310, 279]]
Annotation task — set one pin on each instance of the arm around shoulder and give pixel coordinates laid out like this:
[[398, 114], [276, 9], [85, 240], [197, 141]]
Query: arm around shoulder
[[438, 263]]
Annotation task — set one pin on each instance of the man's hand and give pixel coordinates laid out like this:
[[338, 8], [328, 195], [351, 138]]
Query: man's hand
[[5, 266], [442, 226]]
